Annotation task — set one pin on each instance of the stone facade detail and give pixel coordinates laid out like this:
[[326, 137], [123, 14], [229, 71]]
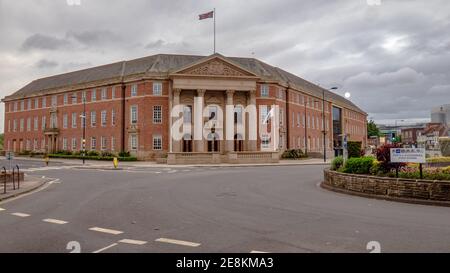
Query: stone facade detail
[[214, 68]]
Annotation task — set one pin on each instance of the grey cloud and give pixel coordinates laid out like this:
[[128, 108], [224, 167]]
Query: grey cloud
[[155, 44], [439, 90], [405, 75], [40, 41], [46, 64], [93, 37]]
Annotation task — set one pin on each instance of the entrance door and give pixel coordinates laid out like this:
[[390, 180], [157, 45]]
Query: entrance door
[[238, 143], [213, 142], [187, 144]]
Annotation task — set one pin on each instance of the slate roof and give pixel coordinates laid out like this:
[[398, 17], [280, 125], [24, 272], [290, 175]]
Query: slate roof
[[163, 65]]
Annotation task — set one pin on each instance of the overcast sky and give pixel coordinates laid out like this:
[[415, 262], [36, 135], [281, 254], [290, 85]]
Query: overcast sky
[[394, 58]]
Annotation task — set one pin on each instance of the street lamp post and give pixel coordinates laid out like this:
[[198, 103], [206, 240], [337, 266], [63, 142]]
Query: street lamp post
[[306, 127], [83, 118], [83, 97], [324, 125]]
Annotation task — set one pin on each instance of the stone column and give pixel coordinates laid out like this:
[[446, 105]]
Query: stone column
[[176, 101], [199, 142], [229, 121], [252, 125]]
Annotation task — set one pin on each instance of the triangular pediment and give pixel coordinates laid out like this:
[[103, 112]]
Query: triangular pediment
[[215, 65]]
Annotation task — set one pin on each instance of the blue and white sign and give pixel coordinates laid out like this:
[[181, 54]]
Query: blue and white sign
[[9, 155], [408, 155]]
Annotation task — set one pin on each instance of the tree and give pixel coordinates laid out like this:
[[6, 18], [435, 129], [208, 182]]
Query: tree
[[372, 129], [1, 141]]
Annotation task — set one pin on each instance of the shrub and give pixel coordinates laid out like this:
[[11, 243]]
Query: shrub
[[359, 165], [36, 154], [124, 154], [384, 157], [375, 169], [337, 163], [108, 154], [354, 148], [93, 153], [293, 154]]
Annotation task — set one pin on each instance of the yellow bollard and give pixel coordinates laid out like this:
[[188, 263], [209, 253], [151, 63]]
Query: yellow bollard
[[115, 162]]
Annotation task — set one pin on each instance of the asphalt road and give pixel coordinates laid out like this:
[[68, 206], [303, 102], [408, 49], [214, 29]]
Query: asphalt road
[[211, 209]]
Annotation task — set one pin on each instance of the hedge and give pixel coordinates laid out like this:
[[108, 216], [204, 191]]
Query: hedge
[[105, 158], [354, 149], [359, 165]]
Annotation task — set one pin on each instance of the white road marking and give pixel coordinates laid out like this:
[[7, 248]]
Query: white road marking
[[173, 171], [133, 242], [177, 242], [105, 230], [55, 221], [48, 168], [256, 251], [46, 185], [19, 214], [105, 248], [157, 172], [2, 209], [186, 170]]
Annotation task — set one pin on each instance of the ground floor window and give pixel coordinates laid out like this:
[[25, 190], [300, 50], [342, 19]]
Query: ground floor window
[[74, 144], [64, 144], [93, 143], [265, 142], [157, 142], [133, 142], [113, 144], [103, 143]]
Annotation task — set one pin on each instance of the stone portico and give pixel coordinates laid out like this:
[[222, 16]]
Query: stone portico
[[212, 85]]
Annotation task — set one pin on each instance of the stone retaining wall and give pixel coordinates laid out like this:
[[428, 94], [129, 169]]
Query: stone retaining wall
[[397, 189]]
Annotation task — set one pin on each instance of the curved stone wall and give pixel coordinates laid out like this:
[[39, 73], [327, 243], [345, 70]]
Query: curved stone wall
[[397, 189]]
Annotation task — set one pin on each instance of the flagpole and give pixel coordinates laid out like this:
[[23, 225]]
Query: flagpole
[[214, 30]]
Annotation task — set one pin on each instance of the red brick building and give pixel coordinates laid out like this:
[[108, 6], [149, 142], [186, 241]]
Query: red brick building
[[128, 105]]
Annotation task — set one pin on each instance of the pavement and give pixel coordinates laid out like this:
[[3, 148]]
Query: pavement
[[100, 163], [31, 183], [210, 209]]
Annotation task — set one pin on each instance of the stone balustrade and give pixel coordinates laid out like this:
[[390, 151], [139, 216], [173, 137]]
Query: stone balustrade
[[216, 158]]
